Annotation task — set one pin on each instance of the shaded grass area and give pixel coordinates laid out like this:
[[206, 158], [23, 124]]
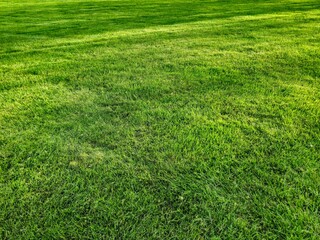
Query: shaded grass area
[[159, 119]]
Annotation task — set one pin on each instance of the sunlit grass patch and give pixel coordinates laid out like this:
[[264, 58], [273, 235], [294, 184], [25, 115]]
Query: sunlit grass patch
[[159, 119]]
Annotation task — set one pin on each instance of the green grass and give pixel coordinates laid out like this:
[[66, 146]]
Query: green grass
[[160, 119]]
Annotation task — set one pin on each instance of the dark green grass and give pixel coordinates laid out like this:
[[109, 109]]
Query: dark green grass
[[159, 119]]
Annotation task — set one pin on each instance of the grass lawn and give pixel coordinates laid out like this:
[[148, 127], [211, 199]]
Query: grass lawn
[[160, 119]]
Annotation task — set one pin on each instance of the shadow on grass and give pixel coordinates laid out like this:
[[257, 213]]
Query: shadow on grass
[[85, 18]]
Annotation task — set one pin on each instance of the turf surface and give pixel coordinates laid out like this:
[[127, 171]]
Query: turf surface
[[159, 119]]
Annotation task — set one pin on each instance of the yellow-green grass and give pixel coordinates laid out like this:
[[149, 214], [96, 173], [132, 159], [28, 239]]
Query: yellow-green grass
[[159, 119]]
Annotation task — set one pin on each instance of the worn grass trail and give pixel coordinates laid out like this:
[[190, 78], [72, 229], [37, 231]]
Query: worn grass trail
[[159, 119]]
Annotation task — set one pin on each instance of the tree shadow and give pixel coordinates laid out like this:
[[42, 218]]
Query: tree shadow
[[68, 19]]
